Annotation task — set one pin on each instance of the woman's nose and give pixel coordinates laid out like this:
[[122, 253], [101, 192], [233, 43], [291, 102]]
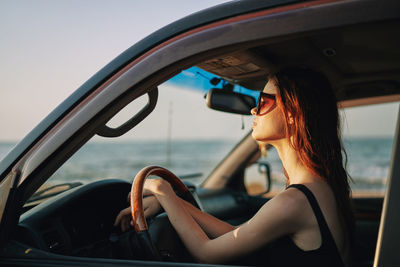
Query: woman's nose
[[253, 111]]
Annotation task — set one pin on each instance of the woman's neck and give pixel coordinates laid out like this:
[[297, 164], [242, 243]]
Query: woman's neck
[[296, 171]]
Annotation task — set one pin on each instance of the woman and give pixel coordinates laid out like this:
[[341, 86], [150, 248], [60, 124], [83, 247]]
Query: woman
[[308, 224]]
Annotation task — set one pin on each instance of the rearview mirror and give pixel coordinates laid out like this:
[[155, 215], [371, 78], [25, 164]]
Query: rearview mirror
[[228, 101]]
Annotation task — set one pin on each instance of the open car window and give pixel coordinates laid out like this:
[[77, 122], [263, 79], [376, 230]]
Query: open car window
[[368, 139]]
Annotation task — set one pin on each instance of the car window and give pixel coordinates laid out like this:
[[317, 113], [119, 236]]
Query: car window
[[368, 139], [181, 134], [368, 133]]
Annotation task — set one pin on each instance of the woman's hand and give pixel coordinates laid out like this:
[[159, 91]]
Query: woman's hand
[[151, 207], [157, 187], [124, 219]]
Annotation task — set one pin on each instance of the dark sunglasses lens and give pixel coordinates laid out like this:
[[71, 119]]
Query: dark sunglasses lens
[[264, 104], [258, 104]]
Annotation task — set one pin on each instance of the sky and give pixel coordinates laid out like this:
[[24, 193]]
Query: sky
[[50, 48]]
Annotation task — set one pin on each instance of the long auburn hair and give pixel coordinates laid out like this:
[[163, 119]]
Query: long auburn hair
[[313, 127]]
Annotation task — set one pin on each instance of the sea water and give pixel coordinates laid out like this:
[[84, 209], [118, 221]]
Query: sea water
[[368, 160]]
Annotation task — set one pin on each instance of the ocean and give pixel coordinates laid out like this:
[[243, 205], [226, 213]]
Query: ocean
[[368, 160]]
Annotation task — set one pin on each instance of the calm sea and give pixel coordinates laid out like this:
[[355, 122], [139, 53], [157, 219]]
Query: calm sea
[[368, 160]]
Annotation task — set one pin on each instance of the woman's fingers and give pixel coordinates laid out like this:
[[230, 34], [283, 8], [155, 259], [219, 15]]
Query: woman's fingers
[[147, 192], [154, 186], [123, 219], [123, 225], [150, 212], [151, 206], [147, 213], [119, 218]]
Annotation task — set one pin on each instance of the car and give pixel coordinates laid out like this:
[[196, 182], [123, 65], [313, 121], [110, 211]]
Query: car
[[230, 49]]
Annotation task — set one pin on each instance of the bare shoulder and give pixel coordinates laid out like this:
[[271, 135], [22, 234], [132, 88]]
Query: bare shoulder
[[288, 208], [291, 200], [280, 216], [322, 193]]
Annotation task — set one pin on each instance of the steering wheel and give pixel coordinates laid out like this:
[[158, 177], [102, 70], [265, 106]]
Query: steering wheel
[[136, 199]]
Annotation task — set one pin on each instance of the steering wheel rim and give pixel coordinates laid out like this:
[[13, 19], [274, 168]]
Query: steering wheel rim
[[136, 201], [136, 197]]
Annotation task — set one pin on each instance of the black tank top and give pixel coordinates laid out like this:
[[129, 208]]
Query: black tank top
[[284, 252]]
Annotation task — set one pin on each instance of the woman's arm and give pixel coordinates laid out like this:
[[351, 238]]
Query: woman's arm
[[276, 218], [212, 226]]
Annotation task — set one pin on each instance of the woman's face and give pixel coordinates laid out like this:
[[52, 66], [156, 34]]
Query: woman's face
[[269, 126]]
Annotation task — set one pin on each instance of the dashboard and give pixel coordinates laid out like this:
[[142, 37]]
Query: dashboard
[[78, 222]]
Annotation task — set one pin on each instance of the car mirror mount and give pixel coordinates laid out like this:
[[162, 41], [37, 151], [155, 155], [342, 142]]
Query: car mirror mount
[[229, 101]]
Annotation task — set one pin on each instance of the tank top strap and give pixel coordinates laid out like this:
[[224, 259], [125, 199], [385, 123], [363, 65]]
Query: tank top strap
[[326, 235]]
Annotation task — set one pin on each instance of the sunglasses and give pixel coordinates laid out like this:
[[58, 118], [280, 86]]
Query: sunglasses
[[265, 103]]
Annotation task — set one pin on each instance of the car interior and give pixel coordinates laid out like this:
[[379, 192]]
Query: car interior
[[362, 63]]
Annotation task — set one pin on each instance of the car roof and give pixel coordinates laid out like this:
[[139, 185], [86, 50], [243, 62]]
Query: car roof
[[361, 61]]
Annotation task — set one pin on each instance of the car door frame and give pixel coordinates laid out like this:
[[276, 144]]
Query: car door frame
[[389, 230], [143, 67]]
